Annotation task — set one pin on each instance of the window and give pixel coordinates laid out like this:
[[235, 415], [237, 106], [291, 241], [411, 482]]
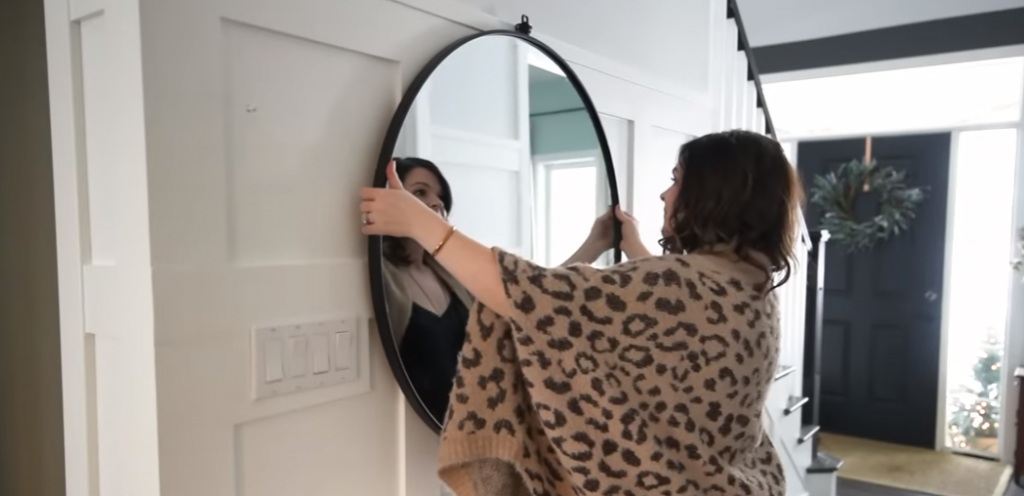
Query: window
[[979, 296], [572, 191], [935, 97]]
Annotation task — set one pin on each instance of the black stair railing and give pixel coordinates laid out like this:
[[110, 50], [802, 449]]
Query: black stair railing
[[743, 43], [810, 403], [733, 12]]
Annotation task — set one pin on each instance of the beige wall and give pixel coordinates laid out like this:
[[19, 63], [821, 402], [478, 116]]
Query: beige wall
[[31, 443]]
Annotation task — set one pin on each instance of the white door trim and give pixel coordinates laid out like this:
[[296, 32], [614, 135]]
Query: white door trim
[[1015, 322], [80, 469], [947, 269]]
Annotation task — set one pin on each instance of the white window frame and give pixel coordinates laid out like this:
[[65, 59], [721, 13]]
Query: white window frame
[[543, 165]]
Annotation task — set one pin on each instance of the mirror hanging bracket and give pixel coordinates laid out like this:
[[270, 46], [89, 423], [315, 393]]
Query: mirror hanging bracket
[[524, 27]]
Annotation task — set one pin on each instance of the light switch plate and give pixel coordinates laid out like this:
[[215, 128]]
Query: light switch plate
[[301, 357]]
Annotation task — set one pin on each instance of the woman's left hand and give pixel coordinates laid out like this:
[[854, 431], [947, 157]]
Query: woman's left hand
[[602, 231], [393, 211]]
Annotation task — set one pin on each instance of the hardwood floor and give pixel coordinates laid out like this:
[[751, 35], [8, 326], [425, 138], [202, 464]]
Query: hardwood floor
[[846, 487]]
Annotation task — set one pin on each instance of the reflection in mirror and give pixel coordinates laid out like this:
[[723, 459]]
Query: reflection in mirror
[[499, 141], [570, 183]]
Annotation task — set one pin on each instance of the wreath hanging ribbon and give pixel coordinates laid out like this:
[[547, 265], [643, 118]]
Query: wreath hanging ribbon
[[836, 193]]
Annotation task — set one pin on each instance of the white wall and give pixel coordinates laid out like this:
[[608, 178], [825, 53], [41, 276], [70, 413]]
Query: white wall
[[666, 39], [476, 89], [472, 121], [207, 159]]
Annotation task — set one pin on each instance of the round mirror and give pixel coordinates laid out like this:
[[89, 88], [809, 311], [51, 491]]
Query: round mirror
[[498, 135]]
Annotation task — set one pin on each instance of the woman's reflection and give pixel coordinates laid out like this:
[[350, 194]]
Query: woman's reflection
[[428, 307]]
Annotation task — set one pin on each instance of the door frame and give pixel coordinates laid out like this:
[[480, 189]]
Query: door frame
[[791, 146], [1014, 341], [1015, 319]]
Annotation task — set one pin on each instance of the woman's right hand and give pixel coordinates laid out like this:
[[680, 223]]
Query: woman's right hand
[[630, 244]]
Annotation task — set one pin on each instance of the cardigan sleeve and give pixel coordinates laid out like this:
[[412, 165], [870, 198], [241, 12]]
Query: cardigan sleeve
[[559, 303]]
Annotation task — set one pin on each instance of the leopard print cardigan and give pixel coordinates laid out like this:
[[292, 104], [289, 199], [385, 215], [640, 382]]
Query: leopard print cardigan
[[646, 378]]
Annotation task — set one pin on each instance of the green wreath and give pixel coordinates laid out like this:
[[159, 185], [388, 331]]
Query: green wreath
[[836, 193]]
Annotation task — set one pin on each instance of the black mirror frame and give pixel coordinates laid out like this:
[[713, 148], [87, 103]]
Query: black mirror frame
[[375, 245]]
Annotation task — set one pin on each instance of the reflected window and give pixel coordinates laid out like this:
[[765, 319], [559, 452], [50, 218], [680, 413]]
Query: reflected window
[[569, 194]]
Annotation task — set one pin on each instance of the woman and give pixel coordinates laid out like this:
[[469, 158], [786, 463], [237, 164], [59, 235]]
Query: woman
[[644, 378], [428, 307]]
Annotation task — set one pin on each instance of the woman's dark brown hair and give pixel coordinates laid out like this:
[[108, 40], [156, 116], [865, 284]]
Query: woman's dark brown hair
[[737, 188], [394, 249]]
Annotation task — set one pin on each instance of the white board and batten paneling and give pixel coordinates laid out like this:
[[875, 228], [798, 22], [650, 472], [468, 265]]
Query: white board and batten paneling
[[208, 157]]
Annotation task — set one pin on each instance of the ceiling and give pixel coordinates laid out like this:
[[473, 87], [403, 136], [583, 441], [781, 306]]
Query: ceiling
[[771, 22]]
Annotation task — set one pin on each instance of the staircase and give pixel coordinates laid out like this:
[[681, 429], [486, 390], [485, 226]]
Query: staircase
[[791, 414]]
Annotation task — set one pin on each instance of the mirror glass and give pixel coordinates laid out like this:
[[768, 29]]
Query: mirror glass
[[499, 141]]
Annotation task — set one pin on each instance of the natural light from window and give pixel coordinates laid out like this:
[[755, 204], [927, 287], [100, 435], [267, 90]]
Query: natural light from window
[[915, 99], [569, 215], [979, 286]]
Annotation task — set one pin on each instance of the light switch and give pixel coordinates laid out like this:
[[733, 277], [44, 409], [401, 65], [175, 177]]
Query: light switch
[[298, 351], [321, 354], [273, 359], [343, 350], [294, 358]]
